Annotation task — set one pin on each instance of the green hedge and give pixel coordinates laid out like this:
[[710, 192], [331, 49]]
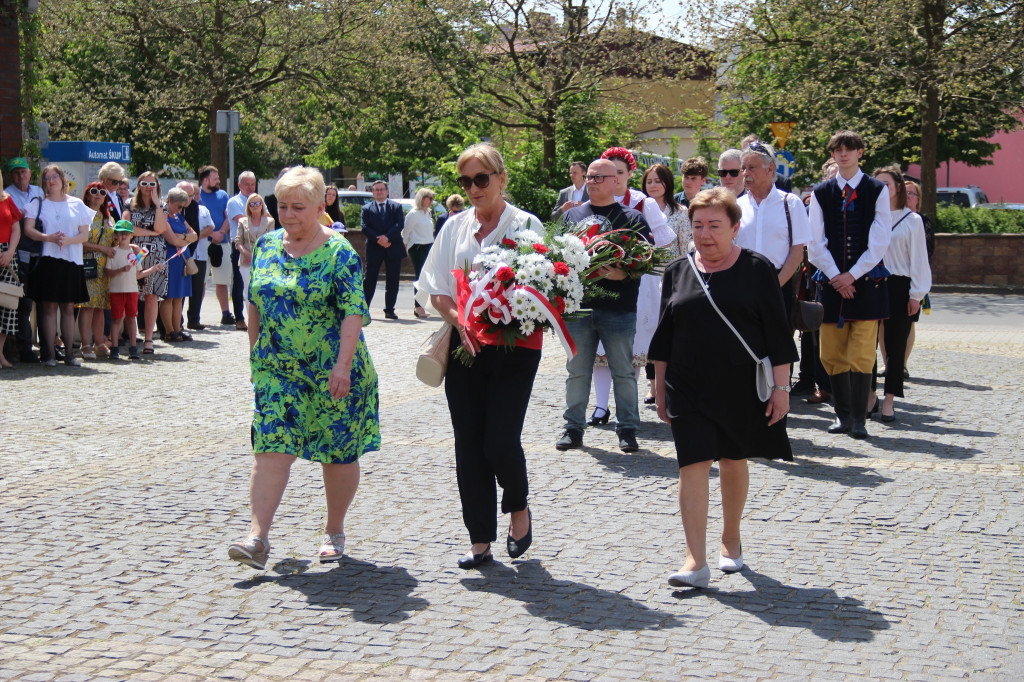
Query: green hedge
[[351, 213], [961, 220]]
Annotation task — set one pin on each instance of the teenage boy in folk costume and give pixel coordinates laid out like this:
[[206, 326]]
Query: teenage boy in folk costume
[[850, 232]]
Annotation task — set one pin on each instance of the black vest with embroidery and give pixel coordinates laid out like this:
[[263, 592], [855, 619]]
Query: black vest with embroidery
[[847, 228]]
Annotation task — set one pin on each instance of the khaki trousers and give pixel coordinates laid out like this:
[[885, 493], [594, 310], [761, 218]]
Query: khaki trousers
[[850, 349]]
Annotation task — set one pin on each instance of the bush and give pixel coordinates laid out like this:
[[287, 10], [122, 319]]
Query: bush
[[962, 220], [351, 213]]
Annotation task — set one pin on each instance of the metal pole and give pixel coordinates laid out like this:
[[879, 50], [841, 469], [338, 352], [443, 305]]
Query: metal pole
[[231, 159]]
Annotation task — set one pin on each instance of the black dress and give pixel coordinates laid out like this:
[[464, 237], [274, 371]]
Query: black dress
[[710, 389]]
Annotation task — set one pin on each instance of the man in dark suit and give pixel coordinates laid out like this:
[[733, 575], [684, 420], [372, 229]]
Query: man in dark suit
[[382, 223], [111, 175], [573, 195]]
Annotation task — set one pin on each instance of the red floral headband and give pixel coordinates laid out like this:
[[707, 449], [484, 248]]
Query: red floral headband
[[620, 153]]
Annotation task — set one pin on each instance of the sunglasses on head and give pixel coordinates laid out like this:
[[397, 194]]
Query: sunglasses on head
[[733, 172], [147, 183], [760, 149], [481, 180]]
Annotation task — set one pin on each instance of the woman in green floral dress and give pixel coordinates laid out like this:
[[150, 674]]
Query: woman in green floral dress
[[315, 385], [102, 240]]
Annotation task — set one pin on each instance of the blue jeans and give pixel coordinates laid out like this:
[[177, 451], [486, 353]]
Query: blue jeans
[[615, 330]]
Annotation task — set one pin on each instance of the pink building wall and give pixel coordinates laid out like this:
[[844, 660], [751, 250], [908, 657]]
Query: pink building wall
[[1000, 181]]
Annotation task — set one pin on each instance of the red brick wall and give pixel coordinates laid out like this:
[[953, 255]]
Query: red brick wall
[[10, 85], [994, 259]]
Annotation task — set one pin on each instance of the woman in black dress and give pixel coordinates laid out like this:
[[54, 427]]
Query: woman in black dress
[[705, 379]]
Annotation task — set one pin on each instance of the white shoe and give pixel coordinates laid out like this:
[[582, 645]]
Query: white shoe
[[730, 565], [73, 362], [698, 578], [89, 356], [51, 363]]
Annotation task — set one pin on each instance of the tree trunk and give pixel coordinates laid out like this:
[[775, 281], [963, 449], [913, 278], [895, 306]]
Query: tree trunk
[[219, 147], [929, 150], [547, 164]]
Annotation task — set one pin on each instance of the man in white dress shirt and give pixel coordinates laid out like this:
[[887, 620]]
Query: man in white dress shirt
[[774, 223], [573, 195]]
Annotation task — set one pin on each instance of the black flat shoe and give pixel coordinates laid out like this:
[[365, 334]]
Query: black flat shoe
[[887, 418], [603, 419], [471, 560], [650, 400], [874, 410], [516, 548]]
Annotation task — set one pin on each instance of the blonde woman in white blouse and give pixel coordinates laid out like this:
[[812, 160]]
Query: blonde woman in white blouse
[[418, 235], [256, 223], [911, 278]]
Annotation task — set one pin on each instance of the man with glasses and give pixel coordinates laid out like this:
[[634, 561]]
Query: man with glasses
[[236, 211], [695, 174], [382, 221], [730, 173], [785, 184], [774, 223], [609, 318], [111, 176], [573, 195]]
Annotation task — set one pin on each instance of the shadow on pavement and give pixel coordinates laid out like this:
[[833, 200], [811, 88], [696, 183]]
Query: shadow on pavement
[[636, 464], [568, 602], [848, 474], [820, 610], [922, 446], [947, 384], [374, 594]]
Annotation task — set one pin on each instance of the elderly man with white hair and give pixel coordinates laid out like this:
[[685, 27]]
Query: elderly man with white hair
[[111, 175], [198, 217], [774, 223], [729, 173], [236, 210]]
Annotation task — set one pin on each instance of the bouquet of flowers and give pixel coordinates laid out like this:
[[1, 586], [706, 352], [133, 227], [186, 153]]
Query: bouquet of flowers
[[622, 247], [521, 287]]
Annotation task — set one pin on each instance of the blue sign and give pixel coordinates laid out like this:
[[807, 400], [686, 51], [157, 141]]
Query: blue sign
[[93, 152], [784, 163]]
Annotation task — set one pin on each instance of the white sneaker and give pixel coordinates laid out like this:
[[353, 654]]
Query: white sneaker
[[73, 362], [51, 363]]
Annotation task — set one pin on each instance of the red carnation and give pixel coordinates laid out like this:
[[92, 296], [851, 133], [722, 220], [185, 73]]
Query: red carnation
[[510, 243], [561, 268], [505, 274], [559, 304], [540, 248]]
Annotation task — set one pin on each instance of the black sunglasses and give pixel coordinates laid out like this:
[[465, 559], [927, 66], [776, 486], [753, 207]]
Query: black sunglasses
[[734, 172], [481, 180], [760, 149]]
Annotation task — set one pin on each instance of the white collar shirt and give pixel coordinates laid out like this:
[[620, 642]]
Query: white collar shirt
[[764, 228], [878, 237], [577, 194]]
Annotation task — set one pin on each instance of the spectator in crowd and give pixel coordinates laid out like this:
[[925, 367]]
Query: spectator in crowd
[[216, 202], [610, 321], [730, 172], [10, 235], [910, 278], [914, 204], [319, 404], [850, 232], [99, 247], [254, 224], [150, 224], [236, 210], [271, 200], [780, 182], [332, 205], [179, 283], [494, 390], [455, 204], [704, 376], [29, 199], [695, 174], [124, 191], [57, 281], [418, 235], [111, 175], [382, 221], [658, 183], [573, 195], [125, 269], [203, 225]]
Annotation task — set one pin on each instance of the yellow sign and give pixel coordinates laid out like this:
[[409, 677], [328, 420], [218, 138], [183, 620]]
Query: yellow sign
[[782, 131]]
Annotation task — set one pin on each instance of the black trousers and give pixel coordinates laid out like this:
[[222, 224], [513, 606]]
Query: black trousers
[[488, 404], [195, 301], [897, 331], [392, 261], [23, 337], [236, 285], [418, 255]]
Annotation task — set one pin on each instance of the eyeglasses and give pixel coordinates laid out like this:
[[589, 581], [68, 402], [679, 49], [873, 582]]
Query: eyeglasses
[[481, 180], [97, 191], [255, 203], [597, 179], [732, 172], [147, 183]]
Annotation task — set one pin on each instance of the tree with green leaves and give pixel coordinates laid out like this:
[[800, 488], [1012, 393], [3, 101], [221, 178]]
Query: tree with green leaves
[[922, 81]]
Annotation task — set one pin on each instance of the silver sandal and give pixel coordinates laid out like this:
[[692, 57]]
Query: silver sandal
[[332, 543], [246, 552]]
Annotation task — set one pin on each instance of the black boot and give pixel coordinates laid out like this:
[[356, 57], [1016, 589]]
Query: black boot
[[860, 388], [841, 399]]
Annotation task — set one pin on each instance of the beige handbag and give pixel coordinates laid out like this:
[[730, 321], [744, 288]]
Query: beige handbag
[[190, 267], [10, 295], [433, 361]]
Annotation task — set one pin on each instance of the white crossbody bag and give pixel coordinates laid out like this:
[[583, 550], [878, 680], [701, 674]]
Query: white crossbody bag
[[764, 377]]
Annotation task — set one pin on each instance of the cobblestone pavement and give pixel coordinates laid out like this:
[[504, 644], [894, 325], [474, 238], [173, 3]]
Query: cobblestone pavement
[[122, 484]]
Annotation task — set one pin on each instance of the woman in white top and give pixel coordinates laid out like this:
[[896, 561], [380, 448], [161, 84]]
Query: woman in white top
[[418, 235], [911, 278], [57, 282], [487, 399], [254, 224]]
